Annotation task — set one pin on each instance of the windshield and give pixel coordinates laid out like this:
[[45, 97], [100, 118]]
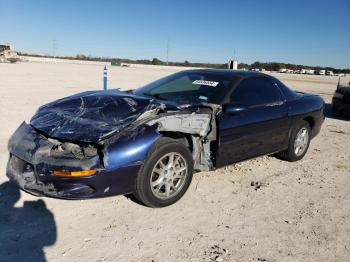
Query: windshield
[[190, 87]]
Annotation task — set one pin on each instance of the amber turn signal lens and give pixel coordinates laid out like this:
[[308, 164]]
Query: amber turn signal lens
[[75, 173]]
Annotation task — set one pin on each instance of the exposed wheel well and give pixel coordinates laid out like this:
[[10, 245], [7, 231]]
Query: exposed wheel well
[[183, 138], [310, 120]]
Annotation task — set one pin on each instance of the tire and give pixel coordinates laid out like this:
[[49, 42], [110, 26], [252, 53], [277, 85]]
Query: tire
[[291, 154], [158, 170]]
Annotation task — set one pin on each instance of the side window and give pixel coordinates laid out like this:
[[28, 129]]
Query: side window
[[256, 91]]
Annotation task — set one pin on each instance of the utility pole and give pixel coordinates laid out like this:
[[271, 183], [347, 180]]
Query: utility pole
[[54, 47], [167, 51]]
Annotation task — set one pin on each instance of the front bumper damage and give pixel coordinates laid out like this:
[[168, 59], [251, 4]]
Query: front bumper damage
[[33, 158], [22, 173]]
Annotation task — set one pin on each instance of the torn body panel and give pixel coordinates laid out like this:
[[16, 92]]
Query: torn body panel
[[202, 128], [23, 173], [196, 124], [36, 149]]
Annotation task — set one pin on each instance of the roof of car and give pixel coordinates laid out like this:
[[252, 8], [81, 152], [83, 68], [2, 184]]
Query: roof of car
[[239, 73]]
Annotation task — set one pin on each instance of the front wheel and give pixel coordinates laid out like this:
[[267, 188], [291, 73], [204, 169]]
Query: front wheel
[[165, 175], [298, 143]]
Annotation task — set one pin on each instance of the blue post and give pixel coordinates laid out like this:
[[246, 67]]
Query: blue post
[[105, 78]]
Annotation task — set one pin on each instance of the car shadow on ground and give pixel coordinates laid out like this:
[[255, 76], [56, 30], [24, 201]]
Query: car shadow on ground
[[132, 198], [328, 113], [24, 231]]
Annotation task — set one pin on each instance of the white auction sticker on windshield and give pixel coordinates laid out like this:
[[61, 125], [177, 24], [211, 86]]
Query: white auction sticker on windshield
[[206, 83]]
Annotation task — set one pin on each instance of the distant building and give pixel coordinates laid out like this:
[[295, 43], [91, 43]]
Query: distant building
[[233, 64]]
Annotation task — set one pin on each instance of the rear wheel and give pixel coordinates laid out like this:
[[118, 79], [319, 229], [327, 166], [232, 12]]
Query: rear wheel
[[165, 175], [298, 143]]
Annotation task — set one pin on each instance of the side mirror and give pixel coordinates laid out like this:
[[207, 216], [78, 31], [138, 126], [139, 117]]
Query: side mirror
[[233, 109]]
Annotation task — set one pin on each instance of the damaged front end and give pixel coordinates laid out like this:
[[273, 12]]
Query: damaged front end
[[94, 144], [62, 169], [34, 158]]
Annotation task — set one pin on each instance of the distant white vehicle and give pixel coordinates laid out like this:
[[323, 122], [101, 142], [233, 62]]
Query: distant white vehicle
[[282, 70], [322, 72], [329, 73], [309, 71], [340, 74]]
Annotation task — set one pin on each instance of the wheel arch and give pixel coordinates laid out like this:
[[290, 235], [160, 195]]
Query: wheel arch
[[310, 120], [182, 138]]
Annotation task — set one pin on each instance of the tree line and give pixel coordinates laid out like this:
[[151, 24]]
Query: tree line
[[269, 66]]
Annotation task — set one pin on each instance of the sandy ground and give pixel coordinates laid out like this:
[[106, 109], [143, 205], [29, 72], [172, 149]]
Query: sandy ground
[[300, 212]]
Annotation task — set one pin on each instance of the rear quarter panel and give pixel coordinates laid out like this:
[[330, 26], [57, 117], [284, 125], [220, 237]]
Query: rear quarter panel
[[310, 107]]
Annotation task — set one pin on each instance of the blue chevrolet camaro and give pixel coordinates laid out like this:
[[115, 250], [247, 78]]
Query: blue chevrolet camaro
[[151, 140]]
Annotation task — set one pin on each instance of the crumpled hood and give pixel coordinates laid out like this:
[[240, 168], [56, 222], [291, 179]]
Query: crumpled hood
[[90, 116]]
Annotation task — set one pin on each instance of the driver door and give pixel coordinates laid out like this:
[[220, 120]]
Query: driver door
[[261, 128]]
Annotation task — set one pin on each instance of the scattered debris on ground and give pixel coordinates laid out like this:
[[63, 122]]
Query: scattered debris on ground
[[216, 253], [257, 185]]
